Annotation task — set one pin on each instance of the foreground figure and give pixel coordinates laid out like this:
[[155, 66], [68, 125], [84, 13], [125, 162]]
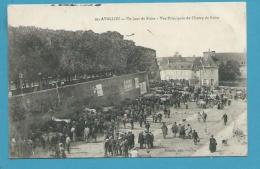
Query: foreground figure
[[212, 144]]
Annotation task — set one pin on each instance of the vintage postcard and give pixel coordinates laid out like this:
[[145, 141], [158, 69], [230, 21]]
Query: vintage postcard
[[127, 80]]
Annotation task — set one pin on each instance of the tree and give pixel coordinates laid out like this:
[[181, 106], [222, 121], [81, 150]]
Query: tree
[[229, 71], [60, 53]]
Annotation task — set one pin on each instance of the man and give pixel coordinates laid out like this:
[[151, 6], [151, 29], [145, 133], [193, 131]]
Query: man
[[168, 113], [179, 130], [225, 118], [86, 133], [125, 148], [149, 140], [195, 137], [68, 143], [94, 133], [229, 102], [165, 112], [182, 131], [164, 130], [198, 116], [147, 126], [154, 118], [174, 129], [132, 123], [160, 117], [141, 140], [204, 116], [106, 146], [131, 137], [140, 119], [125, 120], [212, 144]]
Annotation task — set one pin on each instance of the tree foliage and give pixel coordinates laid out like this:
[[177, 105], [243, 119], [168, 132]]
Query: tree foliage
[[229, 71], [52, 53]]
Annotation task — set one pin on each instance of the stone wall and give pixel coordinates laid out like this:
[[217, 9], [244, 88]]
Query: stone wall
[[38, 107]]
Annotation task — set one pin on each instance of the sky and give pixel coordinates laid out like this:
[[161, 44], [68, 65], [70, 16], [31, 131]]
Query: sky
[[186, 28]]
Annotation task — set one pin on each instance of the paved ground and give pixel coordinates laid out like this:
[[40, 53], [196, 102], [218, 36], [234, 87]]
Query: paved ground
[[176, 147]]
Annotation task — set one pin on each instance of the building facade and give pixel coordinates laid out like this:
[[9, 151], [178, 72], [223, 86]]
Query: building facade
[[201, 71]]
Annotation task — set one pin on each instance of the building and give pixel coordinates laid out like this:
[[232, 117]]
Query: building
[[176, 67], [201, 71], [206, 70]]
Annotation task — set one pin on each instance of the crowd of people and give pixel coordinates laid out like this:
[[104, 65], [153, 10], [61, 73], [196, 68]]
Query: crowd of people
[[57, 136]]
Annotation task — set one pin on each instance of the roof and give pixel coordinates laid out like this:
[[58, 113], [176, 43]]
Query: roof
[[176, 62], [178, 66], [186, 63], [204, 62], [210, 59]]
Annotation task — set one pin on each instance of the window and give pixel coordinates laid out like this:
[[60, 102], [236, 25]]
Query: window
[[212, 82]]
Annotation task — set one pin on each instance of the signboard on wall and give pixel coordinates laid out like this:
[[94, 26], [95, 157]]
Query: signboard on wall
[[143, 88], [99, 90]]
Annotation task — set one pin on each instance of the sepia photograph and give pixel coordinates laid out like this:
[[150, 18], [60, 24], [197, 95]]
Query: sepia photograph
[[127, 80]]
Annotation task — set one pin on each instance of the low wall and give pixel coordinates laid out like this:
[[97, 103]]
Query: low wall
[[35, 108], [237, 83]]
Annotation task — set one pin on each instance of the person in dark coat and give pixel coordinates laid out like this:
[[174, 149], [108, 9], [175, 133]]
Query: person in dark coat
[[124, 122], [132, 123], [106, 146], [212, 144], [204, 116], [174, 129], [125, 148], [168, 113], [182, 131], [131, 139], [147, 126], [195, 137], [141, 140], [160, 117], [140, 119], [150, 139], [225, 118], [229, 102], [165, 112]]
